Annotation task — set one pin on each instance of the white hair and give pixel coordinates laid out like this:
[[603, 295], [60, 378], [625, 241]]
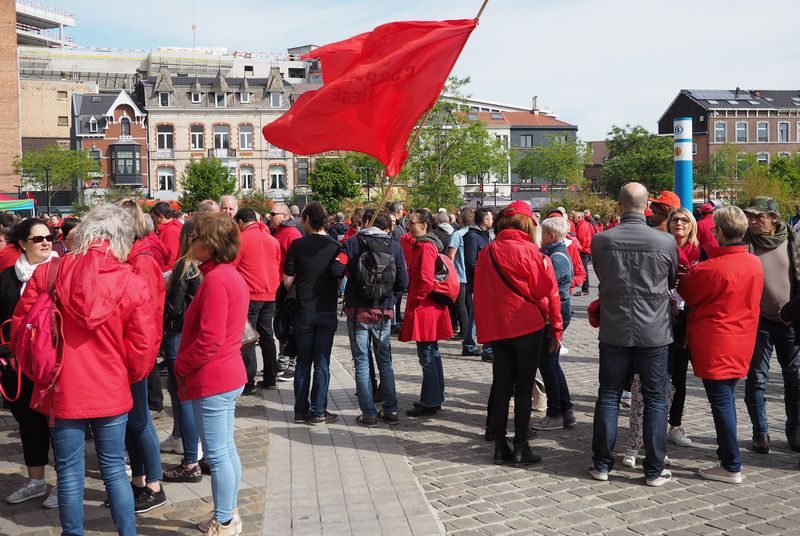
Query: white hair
[[106, 223], [556, 226]]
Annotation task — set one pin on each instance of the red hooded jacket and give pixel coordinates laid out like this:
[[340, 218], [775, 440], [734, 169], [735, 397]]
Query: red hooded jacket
[[259, 262], [285, 235], [145, 266], [8, 256], [724, 299], [209, 358], [110, 337], [426, 320], [501, 313], [704, 235], [584, 231], [159, 250], [573, 248], [170, 235]]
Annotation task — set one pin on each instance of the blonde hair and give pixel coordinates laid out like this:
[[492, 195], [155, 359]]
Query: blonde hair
[[105, 223], [731, 222], [140, 229], [692, 237]]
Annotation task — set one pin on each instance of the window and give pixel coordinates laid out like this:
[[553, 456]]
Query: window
[[277, 178], [275, 100], [62, 95], [197, 136], [222, 137], [720, 132], [762, 131], [125, 162], [164, 137], [124, 128], [503, 139], [195, 98], [302, 171], [762, 158], [95, 154], [63, 121], [166, 179], [526, 140], [244, 97], [163, 98], [472, 117], [220, 99], [92, 125], [741, 132], [246, 177], [245, 137], [783, 132], [784, 155]]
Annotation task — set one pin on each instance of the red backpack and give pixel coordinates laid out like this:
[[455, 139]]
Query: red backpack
[[37, 342], [446, 285]]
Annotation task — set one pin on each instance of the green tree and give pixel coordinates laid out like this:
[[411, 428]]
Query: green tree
[[556, 161], [333, 181], [370, 172], [203, 179], [787, 169], [759, 181], [258, 201], [54, 170], [634, 154]]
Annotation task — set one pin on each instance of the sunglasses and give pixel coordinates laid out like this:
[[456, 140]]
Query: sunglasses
[[278, 214], [685, 221], [40, 239]]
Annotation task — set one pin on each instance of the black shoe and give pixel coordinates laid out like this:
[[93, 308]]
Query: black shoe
[[418, 405], [487, 358], [204, 467], [302, 419], [326, 418], [457, 337], [502, 452], [794, 443], [474, 353], [761, 444], [264, 385], [388, 418], [149, 499], [136, 492], [531, 433], [489, 434], [421, 412], [523, 456], [182, 473], [369, 422], [249, 390]]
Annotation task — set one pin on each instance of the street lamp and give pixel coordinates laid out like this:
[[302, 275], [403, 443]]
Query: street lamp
[[494, 181]]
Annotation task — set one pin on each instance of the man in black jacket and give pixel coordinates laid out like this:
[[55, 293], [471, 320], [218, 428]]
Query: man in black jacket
[[478, 237]]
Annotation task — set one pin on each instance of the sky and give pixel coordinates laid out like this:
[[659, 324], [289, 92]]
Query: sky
[[594, 63]]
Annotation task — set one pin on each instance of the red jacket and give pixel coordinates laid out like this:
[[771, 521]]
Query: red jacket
[[351, 231], [259, 262], [407, 245], [723, 295], [426, 320], [598, 228], [501, 313], [8, 256], [209, 358], [579, 271], [704, 235], [170, 235], [110, 337], [285, 235], [584, 231], [145, 266], [159, 251]]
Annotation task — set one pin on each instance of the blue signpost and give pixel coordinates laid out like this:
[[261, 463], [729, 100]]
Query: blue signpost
[[683, 160]]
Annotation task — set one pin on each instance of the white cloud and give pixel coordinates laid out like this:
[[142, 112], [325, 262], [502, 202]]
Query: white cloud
[[595, 63]]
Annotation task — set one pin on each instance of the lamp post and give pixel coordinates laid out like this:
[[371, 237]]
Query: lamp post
[[494, 182]]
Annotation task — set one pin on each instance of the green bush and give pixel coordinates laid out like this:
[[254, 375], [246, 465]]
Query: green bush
[[603, 206]]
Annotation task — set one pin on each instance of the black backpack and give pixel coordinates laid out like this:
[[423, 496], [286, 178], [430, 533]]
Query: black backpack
[[375, 269]]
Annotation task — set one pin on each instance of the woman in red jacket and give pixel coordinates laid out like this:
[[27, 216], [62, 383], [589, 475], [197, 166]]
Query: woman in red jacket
[[516, 297], [426, 320], [724, 295], [209, 366], [110, 341]]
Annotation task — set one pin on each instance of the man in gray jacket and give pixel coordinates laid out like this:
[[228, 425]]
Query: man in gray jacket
[[636, 267]]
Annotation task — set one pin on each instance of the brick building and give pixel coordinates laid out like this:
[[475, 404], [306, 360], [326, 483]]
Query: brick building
[[763, 122], [9, 97]]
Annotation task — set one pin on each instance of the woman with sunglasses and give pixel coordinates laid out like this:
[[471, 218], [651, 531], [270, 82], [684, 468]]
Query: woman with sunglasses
[[33, 240]]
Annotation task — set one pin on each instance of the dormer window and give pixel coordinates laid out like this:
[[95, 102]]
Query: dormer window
[[163, 98], [244, 97], [275, 100], [195, 98], [93, 125], [125, 128], [221, 100]]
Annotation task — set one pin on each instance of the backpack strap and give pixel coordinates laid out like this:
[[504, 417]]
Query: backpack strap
[[52, 274], [512, 287], [57, 334]]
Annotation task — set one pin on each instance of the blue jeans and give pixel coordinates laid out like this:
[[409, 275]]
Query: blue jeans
[[69, 438], [183, 416], [555, 384], [215, 416], [378, 334], [141, 439], [432, 393], [722, 397], [779, 336], [617, 364], [313, 335]]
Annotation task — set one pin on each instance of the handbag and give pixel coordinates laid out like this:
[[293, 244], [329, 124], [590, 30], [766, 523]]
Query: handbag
[[249, 336]]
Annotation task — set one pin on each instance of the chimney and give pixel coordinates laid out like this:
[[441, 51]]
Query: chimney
[[534, 104]]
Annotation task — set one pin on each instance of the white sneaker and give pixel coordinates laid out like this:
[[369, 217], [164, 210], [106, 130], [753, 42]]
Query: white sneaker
[[679, 437], [720, 474], [564, 351], [629, 460], [51, 501], [237, 523], [659, 481], [29, 490], [200, 451], [171, 444], [667, 461]]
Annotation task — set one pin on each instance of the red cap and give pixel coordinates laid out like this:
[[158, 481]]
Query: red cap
[[594, 314], [707, 208], [518, 207], [667, 198]]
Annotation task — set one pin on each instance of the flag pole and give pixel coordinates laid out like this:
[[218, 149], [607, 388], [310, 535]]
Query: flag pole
[[480, 11]]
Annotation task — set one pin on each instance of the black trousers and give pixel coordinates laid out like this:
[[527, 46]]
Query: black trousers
[[514, 368], [33, 427], [586, 258], [460, 308], [155, 394], [678, 365], [260, 315]]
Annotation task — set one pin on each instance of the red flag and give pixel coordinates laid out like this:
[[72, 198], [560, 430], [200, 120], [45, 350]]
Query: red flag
[[377, 85]]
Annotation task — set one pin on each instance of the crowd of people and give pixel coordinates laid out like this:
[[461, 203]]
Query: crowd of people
[[720, 293]]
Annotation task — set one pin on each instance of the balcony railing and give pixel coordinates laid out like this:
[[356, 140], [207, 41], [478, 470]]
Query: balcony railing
[[167, 154], [222, 153]]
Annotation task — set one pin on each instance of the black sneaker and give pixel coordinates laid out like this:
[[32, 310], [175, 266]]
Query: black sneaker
[[466, 352], [302, 419], [421, 411], [136, 492], [327, 418], [388, 418], [287, 375], [249, 390], [182, 473], [149, 499], [269, 386], [369, 422]]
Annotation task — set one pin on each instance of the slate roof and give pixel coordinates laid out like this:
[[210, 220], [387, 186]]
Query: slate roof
[[86, 106], [712, 99]]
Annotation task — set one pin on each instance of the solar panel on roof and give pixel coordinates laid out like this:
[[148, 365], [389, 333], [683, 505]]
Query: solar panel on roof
[[713, 94], [731, 101], [754, 102]]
